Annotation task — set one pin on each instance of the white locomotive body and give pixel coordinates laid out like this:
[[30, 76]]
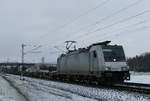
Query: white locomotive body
[[100, 62]]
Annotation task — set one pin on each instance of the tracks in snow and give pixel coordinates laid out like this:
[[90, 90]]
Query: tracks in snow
[[92, 92], [95, 92], [137, 87]]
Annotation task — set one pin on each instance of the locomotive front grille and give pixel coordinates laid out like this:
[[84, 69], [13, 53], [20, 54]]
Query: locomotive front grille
[[117, 75]]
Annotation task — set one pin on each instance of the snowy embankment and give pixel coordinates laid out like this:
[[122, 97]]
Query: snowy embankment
[[8, 93], [42, 90], [39, 92], [140, 77]]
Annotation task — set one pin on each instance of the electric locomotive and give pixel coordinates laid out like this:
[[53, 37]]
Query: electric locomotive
[[99, 62]]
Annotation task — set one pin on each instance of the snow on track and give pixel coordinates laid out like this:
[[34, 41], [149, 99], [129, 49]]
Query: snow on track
[[8, 93], [50, 90]]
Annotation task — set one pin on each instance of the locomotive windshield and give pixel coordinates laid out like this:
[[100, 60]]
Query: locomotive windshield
[[113, 53]]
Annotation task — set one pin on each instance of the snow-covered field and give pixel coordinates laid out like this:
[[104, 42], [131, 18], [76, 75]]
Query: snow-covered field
[[140, 77], [42, 90], [8, 93]]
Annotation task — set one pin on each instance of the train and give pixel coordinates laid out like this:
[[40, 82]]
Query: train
[[99, 62]]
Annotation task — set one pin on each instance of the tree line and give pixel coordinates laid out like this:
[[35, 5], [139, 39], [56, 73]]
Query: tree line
[[140, 63]]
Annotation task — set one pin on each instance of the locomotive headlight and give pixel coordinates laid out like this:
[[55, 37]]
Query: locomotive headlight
[[114, 60], [107, 68]]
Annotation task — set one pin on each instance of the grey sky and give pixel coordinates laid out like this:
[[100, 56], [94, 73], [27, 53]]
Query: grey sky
[[39, 22]]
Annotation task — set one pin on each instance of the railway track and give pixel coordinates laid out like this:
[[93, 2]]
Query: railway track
[[131, 87], [134, 87]]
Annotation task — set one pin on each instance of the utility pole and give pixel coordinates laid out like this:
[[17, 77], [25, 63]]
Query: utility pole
[[25, 53], [22, 58], [23, 45], [43, 60], [7, 60]]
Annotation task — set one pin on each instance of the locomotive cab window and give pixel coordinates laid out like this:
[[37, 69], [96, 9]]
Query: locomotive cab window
[[94, 54], [113, 53]]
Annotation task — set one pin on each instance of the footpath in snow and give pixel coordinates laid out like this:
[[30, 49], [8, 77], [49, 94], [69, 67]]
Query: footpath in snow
[[42, 90], [8, 93]]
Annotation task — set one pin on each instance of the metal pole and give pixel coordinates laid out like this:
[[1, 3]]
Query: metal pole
[[23, 53], [22, 67], [22, 58]]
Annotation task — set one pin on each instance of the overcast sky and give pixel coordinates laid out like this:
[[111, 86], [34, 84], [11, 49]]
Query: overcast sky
[[51, 22]]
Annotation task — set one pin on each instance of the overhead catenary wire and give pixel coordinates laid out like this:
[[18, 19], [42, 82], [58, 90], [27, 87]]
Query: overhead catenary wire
[[124, 32], [108, 16], [108, 26], [115, 31], [104, 28], [115, 23], [78, 17], [33, 50], [127, 32], [53, 52], [119, 29], [126, 19], [56, 47]]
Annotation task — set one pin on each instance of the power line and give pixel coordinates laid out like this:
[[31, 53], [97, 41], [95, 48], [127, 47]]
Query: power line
[[128, 31], [111, 25], [75, 19], [54, 52], [105, 35], [56, 47], [125, 31], [131, 25], [119, 11], [99, 29], [78, 17], [128, 26], [110, 16], [124, 20], [32, 50]]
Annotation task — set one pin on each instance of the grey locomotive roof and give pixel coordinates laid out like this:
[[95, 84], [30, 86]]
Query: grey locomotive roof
[[71, 52], [101, 43]]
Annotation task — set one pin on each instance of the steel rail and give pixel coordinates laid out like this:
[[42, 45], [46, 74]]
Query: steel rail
[[126, 86], [134, 87]]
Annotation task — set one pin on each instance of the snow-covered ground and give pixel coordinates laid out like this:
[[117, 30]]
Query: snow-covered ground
[[8, 93], [35, 90], [42, 90], [140, 77]]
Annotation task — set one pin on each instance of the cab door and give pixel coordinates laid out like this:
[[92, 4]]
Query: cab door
[[93, 61]]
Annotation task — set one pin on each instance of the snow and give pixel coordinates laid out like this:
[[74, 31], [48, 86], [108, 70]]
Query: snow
[[140, 77], [8, 93], [38, 92], [42, 90]]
